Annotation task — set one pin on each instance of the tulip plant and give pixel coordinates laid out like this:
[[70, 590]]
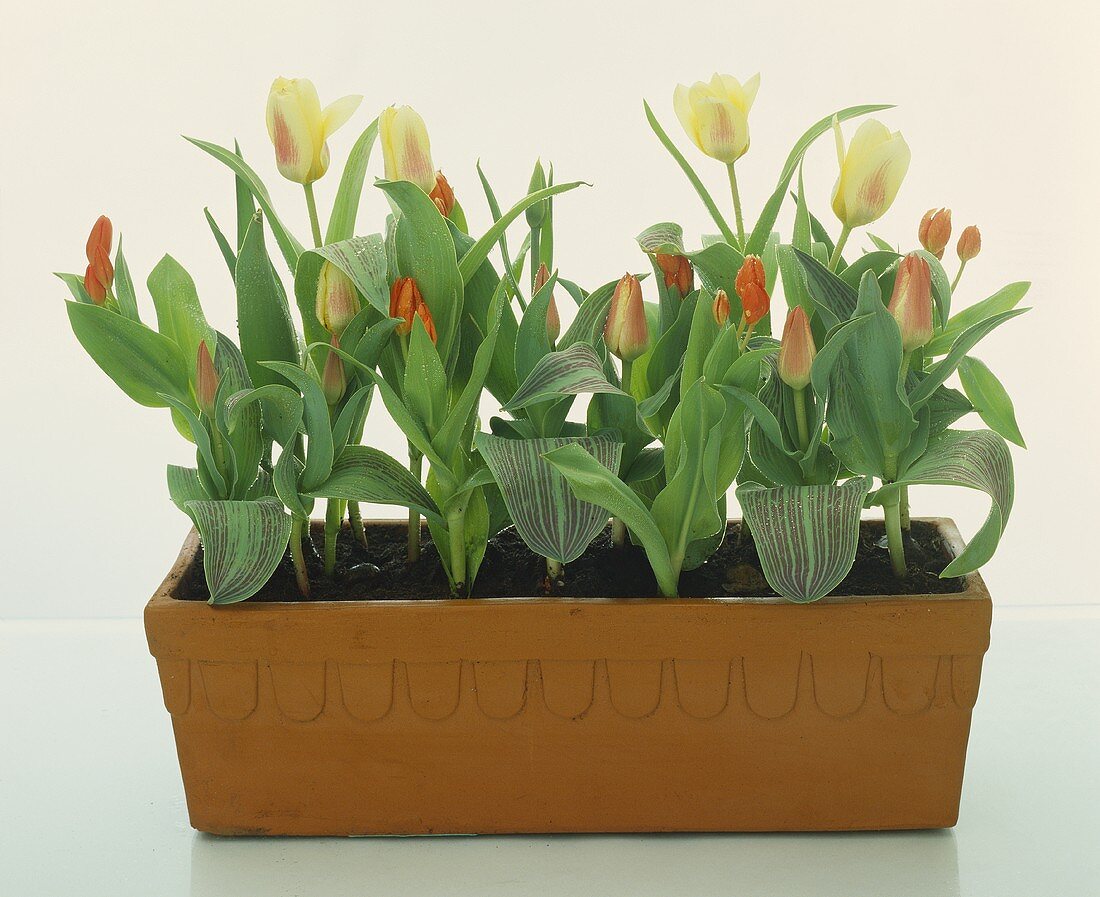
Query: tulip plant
[[689, 394]]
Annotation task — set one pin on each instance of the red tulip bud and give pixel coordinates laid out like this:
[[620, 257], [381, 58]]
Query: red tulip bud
[[100, 273], [553, 320], [442, 195], [94, 288], [99, 237], [333, 380], [206, 381], [678, 272], [751, 271], [911, 302], [970, 243], [755, 302], [404, 299], [935, 231], [797, 350], [721, 308], [627, 331]]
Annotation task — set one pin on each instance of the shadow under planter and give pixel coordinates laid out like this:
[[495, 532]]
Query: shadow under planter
[[570, 715]]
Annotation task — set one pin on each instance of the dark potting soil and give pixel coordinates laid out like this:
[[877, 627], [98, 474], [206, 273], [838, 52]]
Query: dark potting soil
[[511, 569]]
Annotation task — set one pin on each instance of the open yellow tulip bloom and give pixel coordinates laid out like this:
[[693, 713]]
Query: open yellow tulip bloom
[[299, 128], [406, 150], [871, 171], [715, 114]]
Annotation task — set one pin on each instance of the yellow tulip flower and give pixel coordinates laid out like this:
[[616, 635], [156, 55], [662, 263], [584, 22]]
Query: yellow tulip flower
[[715, 115], [406, 150], [871, 171], [299, 128]]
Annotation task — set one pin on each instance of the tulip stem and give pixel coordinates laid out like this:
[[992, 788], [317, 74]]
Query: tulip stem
[[618, 532], [456, 530], [958, 277], [297, 528], [334, 517], [800, 419], [415, 468], [892, 510], [536, 250], [834, 259], [355, 520], [736, 204], [314, 221], [628, 375], [555, 570]]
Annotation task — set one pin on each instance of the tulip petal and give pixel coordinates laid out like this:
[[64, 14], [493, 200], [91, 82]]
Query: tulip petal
[[723, 129], [750, 88], [870, 188], [681, 103], [338, 112]]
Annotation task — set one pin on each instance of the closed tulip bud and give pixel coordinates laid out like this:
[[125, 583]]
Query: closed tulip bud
[[404, 299], [442, 195], [715, 115], [935, 231], [206, 381], [425, 315], [970, 243], [334, 381], [626, 332], [337, 299], [406, 150], [751, 271], [797, 350], [911, 302], [871, 171], [536, 213], [100, 237], [299, 128], [100, 273], [93, 287], [678, 272], [721, 308], [553, 321]]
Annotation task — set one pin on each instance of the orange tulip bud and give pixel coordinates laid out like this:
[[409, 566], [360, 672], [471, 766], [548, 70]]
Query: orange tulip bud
[[751, 271], [553, 320], [797, 350], [99, 237], [404, 299], [678, 272], [970, 243], [911, 302], [334, 381], [935, 231], [755, 302], [94, 288], [206, 381], [626, 332], [721, 308], [442, 195], [425, 315], [104, 270]]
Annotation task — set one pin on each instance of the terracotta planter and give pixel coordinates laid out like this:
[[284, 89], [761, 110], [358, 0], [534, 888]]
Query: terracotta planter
[[532, 715]]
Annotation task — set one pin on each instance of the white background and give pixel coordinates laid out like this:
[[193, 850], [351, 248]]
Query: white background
[[996, 101]]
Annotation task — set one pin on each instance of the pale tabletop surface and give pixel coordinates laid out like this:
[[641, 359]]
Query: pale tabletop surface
[[91, 802]]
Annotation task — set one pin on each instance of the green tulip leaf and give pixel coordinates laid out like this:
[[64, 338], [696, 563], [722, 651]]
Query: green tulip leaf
[[570, 372], [341, 223], [224, 245], [184, 485], [806, 536], [833, 299], [1005, 299], [318, 426], [179, 314], [243, 543], [990, 399], [124, 287]]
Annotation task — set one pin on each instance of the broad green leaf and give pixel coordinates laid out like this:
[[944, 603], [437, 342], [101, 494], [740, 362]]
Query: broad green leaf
[[425, 387], [184, 486], [878, 262], [363, 259], [246, 207], [1005, 299], [124, 287], [665, 237], [990, 399], [285, 480], [833, 299], [532, 342], [290, 247], [806, 536], [242, 434], [349, 423], [426, 252], [727, 232], [319, 453], [550, 519], [144, 363], [75, 283], [768, 215], [977, 459], [243, 542], [571, 371], [210, 473], [281, 409], [945, 367], [362, 473], [179, 314], [341, 223], [592, 482], [587, 326], [477, 253], [263, 315]]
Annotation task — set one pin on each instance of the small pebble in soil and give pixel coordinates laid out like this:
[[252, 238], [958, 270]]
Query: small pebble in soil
[[359, 573]]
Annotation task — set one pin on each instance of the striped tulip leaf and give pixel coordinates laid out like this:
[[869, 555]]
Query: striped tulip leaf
[[665, 237], [184, 486], [976, 459], [242, 542], [362, 473], [548, 516], [587, 326], [806, 536], [833, 299], [570, 372], [363, 259]]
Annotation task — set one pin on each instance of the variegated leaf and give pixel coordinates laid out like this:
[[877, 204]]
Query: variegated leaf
[[570, 372], [666, 237], [548, 516], [363, 259], [806, 536], [243, 542]]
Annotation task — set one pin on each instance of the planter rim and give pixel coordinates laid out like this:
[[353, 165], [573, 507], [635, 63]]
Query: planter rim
[[165, 595]]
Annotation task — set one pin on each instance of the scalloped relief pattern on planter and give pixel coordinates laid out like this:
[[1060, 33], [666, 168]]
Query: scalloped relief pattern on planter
[[769, 687]]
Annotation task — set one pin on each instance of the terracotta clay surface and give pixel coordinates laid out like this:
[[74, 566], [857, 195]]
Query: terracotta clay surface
[[570, 715]]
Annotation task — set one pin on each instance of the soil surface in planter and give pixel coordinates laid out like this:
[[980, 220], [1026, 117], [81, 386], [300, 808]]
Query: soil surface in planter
[[511, 569]]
